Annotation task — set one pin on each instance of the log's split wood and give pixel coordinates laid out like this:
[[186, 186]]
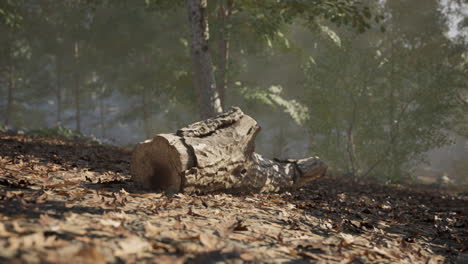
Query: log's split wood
[[217, 154]]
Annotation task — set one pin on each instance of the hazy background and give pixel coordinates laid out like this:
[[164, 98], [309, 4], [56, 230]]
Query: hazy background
[[390, 102]]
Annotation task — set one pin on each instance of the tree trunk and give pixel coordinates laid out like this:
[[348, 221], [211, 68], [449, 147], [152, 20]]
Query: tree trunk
[[392, 122], [10, 96], [224, 41], [77, 89], [145, 112], [208, 96], [58, 72], [102, 117], [217, 154], [351, 147]]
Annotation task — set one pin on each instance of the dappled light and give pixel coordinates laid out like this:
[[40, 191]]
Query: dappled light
[[233, 131]]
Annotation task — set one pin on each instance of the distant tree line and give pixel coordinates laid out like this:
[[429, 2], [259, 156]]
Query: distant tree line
[[372, 85]]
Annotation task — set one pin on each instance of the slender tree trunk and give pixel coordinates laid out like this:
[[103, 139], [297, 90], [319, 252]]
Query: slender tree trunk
[[208, 96], [11, 94], [394, 164], [145, 101], [101, 117], [351, 147], [224, 15], [77, 88], [393, 125], [351, 150], [58, 72], [146, 115]]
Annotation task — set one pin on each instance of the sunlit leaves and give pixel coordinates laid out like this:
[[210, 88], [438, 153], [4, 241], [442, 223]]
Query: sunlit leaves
[[332, 35], [269, 15], [273, 97]]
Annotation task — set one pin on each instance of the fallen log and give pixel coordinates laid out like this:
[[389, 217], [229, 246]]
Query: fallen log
[[217, 154]]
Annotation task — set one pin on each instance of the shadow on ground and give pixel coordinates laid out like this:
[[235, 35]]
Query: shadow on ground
[[68, 154], [433, 218]]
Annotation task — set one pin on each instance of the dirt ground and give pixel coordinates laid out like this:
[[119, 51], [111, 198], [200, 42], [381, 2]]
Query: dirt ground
[[74, 202]]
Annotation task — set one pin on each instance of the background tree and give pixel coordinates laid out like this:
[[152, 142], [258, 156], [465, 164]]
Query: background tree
[[381, 98], [319, 76]]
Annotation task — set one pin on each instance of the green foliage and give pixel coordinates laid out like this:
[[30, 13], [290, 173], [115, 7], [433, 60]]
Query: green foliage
[[273, 97], [270, 14], [331, 34], [10, 14], [380, 101]]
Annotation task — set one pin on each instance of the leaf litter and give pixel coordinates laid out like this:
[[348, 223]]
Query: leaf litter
[[67, 201]]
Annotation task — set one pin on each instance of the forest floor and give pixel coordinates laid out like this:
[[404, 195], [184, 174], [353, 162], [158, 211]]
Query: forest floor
[[73, 202]]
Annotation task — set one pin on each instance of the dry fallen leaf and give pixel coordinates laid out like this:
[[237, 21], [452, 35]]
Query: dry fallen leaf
[[17, 227], [230, 226], [385, 252], [151, 230], [35, 240], [131, 245], [3, 231], [110, 222], [62, 185], [168, 260], [89, 255], [146, 195], [347, 238], [52, 223], [247, 256], [243, 237], [188, 247], [211, 242]]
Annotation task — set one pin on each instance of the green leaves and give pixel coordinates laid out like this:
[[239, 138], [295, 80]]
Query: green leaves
[[11, 13], [274, 98], [381, 101], [331, 34]]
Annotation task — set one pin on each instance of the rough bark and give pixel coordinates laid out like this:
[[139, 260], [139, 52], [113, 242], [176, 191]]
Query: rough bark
[[217, 154], [208, 96]]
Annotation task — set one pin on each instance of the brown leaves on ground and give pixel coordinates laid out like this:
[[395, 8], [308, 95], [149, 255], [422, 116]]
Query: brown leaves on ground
[[73, 202]]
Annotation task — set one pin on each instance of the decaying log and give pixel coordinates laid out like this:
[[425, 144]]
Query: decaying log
[[217, 154]]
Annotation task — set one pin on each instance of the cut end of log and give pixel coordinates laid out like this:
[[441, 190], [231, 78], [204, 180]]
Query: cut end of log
[[156, 163]]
